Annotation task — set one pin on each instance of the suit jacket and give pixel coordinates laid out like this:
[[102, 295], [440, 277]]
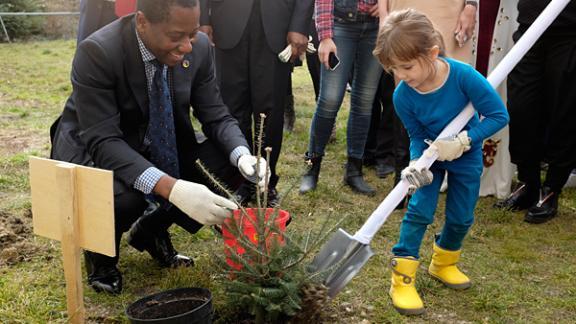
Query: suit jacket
[[105, 118], [229, 18]]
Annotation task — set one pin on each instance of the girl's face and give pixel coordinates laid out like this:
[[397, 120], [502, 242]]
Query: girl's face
[[418, 73], [415, 73]]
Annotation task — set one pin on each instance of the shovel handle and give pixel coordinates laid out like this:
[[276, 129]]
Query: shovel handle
[[497, 76]]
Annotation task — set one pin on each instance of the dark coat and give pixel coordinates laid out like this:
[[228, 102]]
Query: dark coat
[[105, 118], [229, 18]]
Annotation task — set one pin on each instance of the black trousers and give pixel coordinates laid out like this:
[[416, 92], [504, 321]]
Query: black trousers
[[388, 141], [542, 107], [254, 81], [130, 204], [313, 62]]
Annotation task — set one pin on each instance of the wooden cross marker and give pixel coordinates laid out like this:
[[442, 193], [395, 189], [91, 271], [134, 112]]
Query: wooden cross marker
[[74, 205]]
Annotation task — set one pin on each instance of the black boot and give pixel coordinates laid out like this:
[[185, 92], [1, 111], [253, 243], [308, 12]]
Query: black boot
[[289, 114], [103, 275], [310, 179], [522, 198], [354, 178], [545, 209], [156, 242], [245, 193]]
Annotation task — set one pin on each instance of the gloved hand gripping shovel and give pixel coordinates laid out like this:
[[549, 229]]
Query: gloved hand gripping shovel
[[344, 255]]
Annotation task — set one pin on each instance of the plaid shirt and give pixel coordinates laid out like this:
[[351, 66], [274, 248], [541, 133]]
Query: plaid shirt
[[325, 17]]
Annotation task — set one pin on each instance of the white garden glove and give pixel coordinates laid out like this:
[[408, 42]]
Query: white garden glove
[[286, 54], [416, 177], [247, 167], [200, 204], [453, 147]]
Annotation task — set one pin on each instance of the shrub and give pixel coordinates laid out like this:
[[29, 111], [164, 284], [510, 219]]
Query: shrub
[[19, 27]]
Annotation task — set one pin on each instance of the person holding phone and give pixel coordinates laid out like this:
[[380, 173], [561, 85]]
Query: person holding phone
[[347, 32]]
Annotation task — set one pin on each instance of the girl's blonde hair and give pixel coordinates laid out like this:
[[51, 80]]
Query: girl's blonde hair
[[406, 35]]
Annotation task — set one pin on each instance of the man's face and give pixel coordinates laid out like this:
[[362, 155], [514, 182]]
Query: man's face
[[169, 40]]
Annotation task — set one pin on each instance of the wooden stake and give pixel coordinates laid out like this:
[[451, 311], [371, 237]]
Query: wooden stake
[[71, 252]]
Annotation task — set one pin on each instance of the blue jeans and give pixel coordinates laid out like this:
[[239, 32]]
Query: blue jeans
[[355, 42]]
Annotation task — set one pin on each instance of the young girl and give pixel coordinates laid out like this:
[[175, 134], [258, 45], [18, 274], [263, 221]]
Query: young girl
[[432, 91]]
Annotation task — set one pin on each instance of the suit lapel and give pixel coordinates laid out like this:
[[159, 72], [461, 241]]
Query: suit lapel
[[134, 67], [182, 83]]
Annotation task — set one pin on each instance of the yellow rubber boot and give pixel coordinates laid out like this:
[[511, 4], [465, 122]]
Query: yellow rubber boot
[[404, 296], [443, 267]]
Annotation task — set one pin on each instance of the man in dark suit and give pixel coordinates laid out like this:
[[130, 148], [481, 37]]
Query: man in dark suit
[[248, 35], [134, 82]]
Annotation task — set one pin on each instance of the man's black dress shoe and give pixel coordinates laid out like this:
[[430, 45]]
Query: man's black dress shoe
[[245, 193], [522, 198], [545, 209], [273, 198], [158, 245], [102, 273]]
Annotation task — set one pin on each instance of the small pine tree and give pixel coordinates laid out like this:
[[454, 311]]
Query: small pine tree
[[269, 278]]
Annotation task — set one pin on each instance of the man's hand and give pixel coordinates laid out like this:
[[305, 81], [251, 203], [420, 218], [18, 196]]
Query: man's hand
[[247, 167], [207, 29], [200, 204], [374, 11], [452, 148], [416, 177], [326, 47], [299, 43], [465, 25]]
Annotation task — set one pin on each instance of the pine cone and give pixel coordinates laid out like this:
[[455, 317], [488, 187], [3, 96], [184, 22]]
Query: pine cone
[[314, 300]]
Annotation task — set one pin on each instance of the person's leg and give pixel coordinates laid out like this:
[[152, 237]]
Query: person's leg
[[269, 79], [462, 195], [372, 139], [560, 148], [385, 156], [419, 215], [332, 90], [102, 271], [367, 72], [526, 107], [405, 263]]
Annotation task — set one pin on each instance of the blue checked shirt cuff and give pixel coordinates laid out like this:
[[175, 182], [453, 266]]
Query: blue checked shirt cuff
[[237, 153], [148, 179]]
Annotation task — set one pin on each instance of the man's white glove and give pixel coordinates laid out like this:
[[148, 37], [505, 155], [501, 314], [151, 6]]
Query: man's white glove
[[200, 204], [247, 167], [286, 54], [452, 148], [416, 177]]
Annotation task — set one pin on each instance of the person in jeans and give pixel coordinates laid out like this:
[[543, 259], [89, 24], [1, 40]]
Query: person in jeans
[[348, 29]]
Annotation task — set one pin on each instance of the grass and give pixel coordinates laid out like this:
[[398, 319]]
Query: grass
[[521, 272]]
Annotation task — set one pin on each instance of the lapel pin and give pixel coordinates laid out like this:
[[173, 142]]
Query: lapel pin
[[185, 64]]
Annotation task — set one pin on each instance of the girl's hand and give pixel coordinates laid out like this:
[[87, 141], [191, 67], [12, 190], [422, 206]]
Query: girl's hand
[[465, 25], [326, 47]]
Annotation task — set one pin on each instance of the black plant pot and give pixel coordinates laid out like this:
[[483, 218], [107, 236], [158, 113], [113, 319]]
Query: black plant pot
[[183, 305]]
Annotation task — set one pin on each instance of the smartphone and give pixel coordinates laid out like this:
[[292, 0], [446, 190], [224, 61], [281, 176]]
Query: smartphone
[[333, 61]]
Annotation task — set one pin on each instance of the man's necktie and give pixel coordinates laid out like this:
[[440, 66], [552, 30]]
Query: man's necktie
[[163, 150]]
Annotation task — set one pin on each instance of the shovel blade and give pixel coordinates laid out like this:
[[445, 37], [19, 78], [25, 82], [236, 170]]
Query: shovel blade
[[348, 270], [333, 252], [343, 256]]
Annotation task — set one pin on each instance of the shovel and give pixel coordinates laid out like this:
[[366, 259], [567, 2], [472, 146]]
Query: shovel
[[344, 255]]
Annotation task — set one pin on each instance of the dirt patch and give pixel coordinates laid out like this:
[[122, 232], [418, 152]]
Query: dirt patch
[[17, 141], [15, 233]]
